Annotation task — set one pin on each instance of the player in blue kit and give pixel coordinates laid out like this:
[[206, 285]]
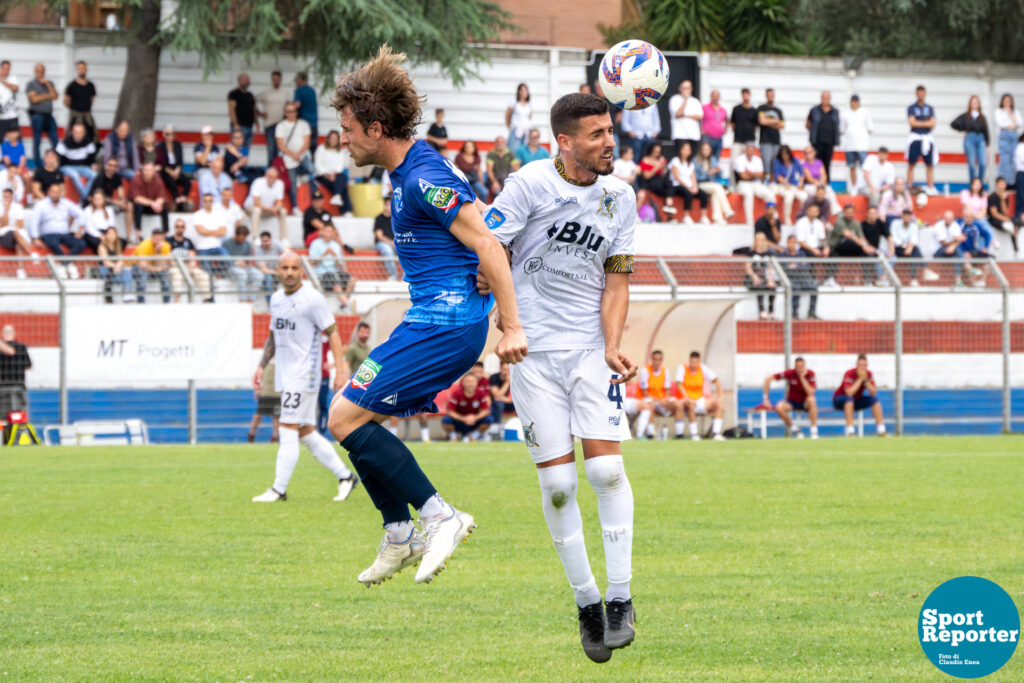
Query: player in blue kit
[[442, 242]]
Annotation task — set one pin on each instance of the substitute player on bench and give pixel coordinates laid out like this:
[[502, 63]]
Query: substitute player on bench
[[800, 386], [654, 386]]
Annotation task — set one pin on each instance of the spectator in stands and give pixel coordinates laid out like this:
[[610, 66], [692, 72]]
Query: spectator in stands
[[49, 174], [148, 153], [713, 124], [951, 238], [266, 198], [384, 239], [358, 348], [242, 110], [895, 200], [242, 271], [213, 179], [233, 213], [468, 161], [878, 175], [12, 150], [171, 158], [788, 177], [267, 251], [98, 218], [750, 172], [743, 122], [500, 388], [12, 179], [770, 122], [314, 218], [801, 278], [654, 176], [820, 200], [877, 233], [685, 114], [500, 163], [846, 240], [78, 98], [153, 263], [906, 238], [758, 276], [850, 396], [999, 215], [857, 127], [531, 151], [975, 199], [305, 96], [325, 255], [1008, 121], [14, 361], [468, 413], [110, 183], [120, 145], [816, 176], [209, 226], [641, 127], [684, 183], [624, 168], [113, 268], [973, 124], [236, 159], [77, 154], [272, 102], [921, 142], [9, 87], [800, 386], [206, 150], [57, 223], [517, 118], [13, 235], [768, 225], [977, 245], [331, 170], [437, 134], [1018, 164], [811, 233], [183, 247], [824, 126], [294, 138], [150, 196], [41, 96]]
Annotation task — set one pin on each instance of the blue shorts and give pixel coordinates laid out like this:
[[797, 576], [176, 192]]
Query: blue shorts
[[855, 159], [797, 405], [465, 429], [402, 376], [862, 403], [914, 154]]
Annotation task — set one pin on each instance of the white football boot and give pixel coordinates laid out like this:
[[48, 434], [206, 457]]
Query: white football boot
[[270, 496], [392, 558], [442, 537], [345, 487]]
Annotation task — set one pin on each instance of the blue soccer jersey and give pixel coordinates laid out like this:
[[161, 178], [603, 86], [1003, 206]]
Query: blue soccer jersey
[[440, 270]]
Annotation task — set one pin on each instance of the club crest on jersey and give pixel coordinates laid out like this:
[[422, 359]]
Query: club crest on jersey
[[494, 219], [608, 204], [530, 435], [365, 374], [396, 200]]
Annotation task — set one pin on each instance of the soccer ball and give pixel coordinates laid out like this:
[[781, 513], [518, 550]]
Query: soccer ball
[[633, 75]]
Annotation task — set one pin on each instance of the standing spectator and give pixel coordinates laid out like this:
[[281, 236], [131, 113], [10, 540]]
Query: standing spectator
[[13, 150], [14, 361], [206, 150], [641, 127], [500, 388], [78, 98], [468, 161], [820, 200], [823, 123], [306, 98], [714, 122], [77, 153], [624, 168], [242, 109], [266, 253], [973, 124], [185, 249], [857, 129], [293, 143], [11, 179], [877, 233], [517, 118], [999, 214], [758, 276], [98, 218], [1008, 121], [242, 271], [53, 220], [801, 277], [686, 113], [110, 183], [768, 225], [8, 104], [684, 183], [816, 176], [846, 239], [214, 179], [268, 404], [750, 173], [171, 158], [850, 396], [788, 177], [921, 142], [150, 196], [120, 145], [468, 413], [209, 225], [770, 121], [708, 172], [328, 265], [331, 170], [895, 200], [1018, 164], [951, 238], [743, 122], [500, 161], [49, 174], [654, 177], [236, 159], [113, 268], [878, 175], [906, 238], [531, 151], [266, 198], [234, 215], [13, 235], [271, 109], [437, 134], [384, 239], [41, 96], [314, 218], [800, 386], [153, 264]]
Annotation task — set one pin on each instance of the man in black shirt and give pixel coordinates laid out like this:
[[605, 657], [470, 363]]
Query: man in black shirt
[[78, 98], [771, 122], [14, 361], [999, 214], [314, 218], [744, 125], [112, 185], [437, 134], [242, 109], [501, 396], [875, 231], [384, 238], [769, 225], [823, 123], [49, 174]]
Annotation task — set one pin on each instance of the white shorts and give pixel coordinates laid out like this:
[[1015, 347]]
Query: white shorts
[[661, 409], [702, 406], [562, 394], [299, 407]]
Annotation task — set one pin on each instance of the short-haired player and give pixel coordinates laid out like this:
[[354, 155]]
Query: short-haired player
[[858, 391], [655, 388], [800, 386], [692, 379]]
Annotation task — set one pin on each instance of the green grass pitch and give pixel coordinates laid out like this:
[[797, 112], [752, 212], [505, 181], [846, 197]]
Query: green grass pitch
[[778, 560]]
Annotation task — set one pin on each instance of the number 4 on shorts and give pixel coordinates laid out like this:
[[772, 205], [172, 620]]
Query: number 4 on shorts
[[615, 393]]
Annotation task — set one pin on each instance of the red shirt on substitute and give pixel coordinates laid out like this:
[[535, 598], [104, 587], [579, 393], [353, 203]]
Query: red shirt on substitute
[[849, 379], [459, 403], [795, 389]]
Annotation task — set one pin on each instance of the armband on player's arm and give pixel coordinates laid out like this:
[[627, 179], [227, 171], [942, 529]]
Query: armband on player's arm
[[620, 263]]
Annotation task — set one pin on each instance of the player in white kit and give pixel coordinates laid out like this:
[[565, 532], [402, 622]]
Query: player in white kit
[[569, 226], [298, 318]]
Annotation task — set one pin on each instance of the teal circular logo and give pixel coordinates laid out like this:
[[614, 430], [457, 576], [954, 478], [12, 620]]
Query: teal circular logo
[[969, 627]]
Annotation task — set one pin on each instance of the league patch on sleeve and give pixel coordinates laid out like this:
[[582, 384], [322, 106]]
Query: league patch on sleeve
[[620, 263], [443, 198], [494, 219], [365, 374]]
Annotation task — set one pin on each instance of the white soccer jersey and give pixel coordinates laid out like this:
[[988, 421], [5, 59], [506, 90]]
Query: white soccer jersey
[[564, 237], [297, 321]]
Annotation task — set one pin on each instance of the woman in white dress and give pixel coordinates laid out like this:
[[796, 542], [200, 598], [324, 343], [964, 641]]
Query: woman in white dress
[[517, 118], [1008, 122]]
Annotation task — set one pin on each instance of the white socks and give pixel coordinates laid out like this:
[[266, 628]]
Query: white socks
[[323, 451], [680, 427], [399, 532], [693, 428], [642, 420], [881, 429], [562, 513], [424, 434], [435, 507], [287, 458], [607, 477], [716, 425], [814, 430]]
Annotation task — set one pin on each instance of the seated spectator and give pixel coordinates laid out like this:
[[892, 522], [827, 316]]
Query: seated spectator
[[331, 169], [236, 159], [895, 200], [820, 200], [213, 179], [812, 234], [243, 272], [877, 233], [294, 137], [850, 396], [13, 150], [185, 249], [879, 175], [975, 200], [113, 267], [758, 275], [684, 184], [49, 174], [328, 265], [750, 171], [153, 263], [266, 198], [816, 175], [531, 151], [846, 239], [233, 213], [768, 225], [437, 134], [468, 161], [800, 386], [1018, 165], [788, 180], [77, 153], [384, 239], [500, 163], [624, 168], [468, 413], [209, 226], [265, 250], [120, 145], [999, 215], [206, 150], [654, 177], [906, 238], [150, 197], [951, 238], [170, 158], [977, 245], [109, 182], [501, 395], [315, 217], [801, 277], [148, 152], [52, 221], [13, 235], [708, 173], [12, 179], [98, 219]]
